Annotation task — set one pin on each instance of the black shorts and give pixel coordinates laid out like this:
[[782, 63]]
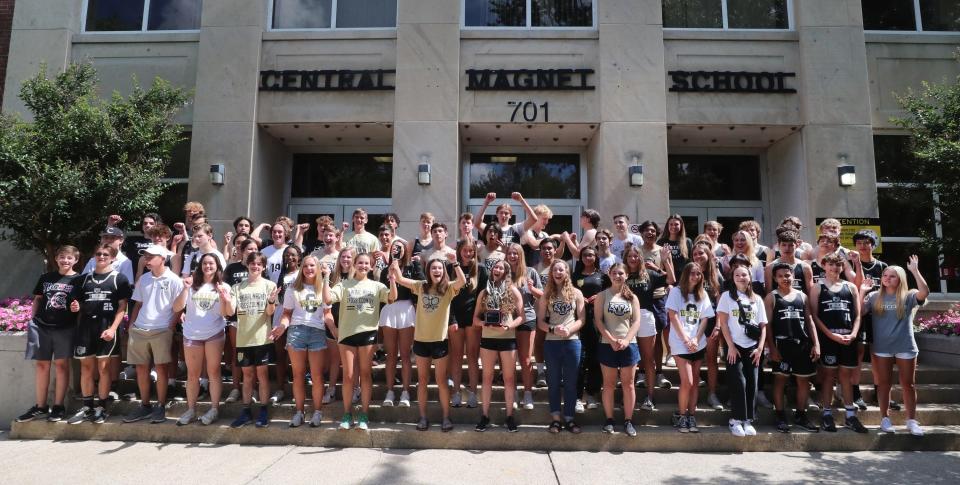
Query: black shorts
[[431, 350], [527, 326], [48, 343], [327, 331], [361, 339], [832, 354], [794, 358], [660, 313], [463, 319], [498, 344], [87, 341], [866, 329], [711, 326], [256, 355], [698, 355]]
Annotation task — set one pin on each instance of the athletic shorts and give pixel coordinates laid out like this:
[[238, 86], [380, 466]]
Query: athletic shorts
[[431, 350], [832, 354], [87, 342], [794, 358], [361, 339], [498, 344], [660, 313], [48, 343], [866, 329], [306, 338], [189, 342], [698, 355], [620, 358], [328, 333], [256, 355], [527, 326], [898, 355], [147, 345]]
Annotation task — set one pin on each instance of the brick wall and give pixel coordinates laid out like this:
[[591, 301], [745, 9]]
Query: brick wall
[[6, 21]]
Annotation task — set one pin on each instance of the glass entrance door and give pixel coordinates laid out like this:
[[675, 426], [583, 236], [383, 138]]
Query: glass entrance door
[[728, 217], [308, 213], [565, 218]]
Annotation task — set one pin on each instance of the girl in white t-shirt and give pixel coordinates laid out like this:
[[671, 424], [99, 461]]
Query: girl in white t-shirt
[[688, 308], [207, 301]]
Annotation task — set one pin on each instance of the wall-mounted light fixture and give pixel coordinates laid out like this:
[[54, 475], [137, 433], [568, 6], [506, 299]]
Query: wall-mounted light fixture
[[635, 171], [216, 174], [423, 170], [846, 173]]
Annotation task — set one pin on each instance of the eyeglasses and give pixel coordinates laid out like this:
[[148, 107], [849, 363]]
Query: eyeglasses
[[102, 255]]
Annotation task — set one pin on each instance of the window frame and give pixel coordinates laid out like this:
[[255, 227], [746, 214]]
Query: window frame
[[791, 26], [144, 25], [528, 21], [333, 21], [917, 26]]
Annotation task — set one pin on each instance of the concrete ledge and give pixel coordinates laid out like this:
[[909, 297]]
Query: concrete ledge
[[132, 38]]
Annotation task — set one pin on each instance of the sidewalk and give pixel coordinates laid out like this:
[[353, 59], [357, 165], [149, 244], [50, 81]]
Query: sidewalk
[[29, 462]]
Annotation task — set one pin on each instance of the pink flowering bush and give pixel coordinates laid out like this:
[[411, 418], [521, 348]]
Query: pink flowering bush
[[945, 323], [15, 314]]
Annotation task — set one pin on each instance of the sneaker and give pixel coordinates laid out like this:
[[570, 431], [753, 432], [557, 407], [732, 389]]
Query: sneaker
[[782, 426], [356, 395], [277, 396], [297, 420], [592, 402], [245, 418], [671, 362], [316, 419], [84, 414], [648, 405], [423, 424], [511, 424], [702, 383], [578, 407], [860, 403], [112, 396], [140, 413], [675, 419], [388, 401], [482, 425], [186, 418], [329, 394], [692, 424], [447, 425], [748, 428], [886, 425], [33, 413], [471, 399], [629, 429], [736, 427], [763, 401], [895, 406], [804, 423], [527, 400], [682, 424], [346, 422], [404, 399], [541, 377], [457, 399], [714, 402], [813, 404], [263, 418], [838, 395], [363, 423], [210, 417], [57, 413], [853, 423], [828, 424], [608, 426], [128, 373], [204, 389], [641, 380], [159, 415], [234, 396], [99, 415], [914, 427], [663, 382]]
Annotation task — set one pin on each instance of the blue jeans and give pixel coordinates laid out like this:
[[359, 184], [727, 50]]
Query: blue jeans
[[563, 364]]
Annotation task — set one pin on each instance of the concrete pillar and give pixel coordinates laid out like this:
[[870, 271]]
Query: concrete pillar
[[224, 116], [835, 107], [42, 32], [427, 109], [632, 112]]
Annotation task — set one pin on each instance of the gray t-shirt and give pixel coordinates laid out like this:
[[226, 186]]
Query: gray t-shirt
[[529, 309], [892, 335]]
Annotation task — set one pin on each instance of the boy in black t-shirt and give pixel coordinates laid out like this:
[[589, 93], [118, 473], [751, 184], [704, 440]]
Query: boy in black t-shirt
[[50, 334]]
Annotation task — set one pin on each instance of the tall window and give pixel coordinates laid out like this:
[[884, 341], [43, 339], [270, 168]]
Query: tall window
[[554, 176], [142, 15], [528, 13], [727, 14], [336, 175], [912, 15], [333, 14]]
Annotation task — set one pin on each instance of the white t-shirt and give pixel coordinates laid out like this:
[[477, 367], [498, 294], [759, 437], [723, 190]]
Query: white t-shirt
[[156, 294], [756, 313], [616, 245], [121, 264], [605, 262], [307, 306], [274, 261], [287, 289], [690, 313], [203, 319], [195, 256]]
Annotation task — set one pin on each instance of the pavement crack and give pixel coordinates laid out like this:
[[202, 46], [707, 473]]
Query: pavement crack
[[274, 462], [553, 467]]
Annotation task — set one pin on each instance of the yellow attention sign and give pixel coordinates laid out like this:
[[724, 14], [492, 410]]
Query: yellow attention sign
[[852, 225]]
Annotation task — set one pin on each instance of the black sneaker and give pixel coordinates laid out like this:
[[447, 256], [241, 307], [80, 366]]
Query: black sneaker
[[827, 424], [675, 419], [895, 406], [853, 423], [263, 418], [608, 426], [782, 426], [99, 415], [803, 422], [511, 424], [57, 413], [33, 413], [482, 425], [245, 418]]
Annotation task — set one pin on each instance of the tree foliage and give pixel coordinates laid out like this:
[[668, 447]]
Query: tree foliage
[[82, 158]]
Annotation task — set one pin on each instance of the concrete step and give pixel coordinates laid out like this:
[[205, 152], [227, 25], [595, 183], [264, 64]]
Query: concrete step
[[404, 436]]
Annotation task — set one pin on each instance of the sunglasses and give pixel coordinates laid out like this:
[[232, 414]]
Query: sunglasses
[[102, 255]]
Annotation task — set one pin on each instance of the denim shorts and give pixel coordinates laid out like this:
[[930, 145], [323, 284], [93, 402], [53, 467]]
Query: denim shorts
[[618, 359], [898, 355], [303, 337]]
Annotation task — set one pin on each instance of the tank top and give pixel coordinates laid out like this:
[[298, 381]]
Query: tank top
[[788, 318], [799, 278], [419, 247], [617, 315], [874, 269], [561, 313], [488, 332], [818, 272], [836, 310]]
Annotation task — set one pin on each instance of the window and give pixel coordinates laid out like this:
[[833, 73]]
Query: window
[[335, 175], [714, 177], [142, 15], [528, 13], [912, 15], [170, 204], [727, 14], [536, 176], [336, 14]]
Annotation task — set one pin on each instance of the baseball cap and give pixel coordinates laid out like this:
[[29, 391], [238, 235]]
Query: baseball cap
[[156, 250], [112, 231], [866, 234]]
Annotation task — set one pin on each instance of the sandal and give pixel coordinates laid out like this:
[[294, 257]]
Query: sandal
[[423, 425], [572, 427], [555, 427]]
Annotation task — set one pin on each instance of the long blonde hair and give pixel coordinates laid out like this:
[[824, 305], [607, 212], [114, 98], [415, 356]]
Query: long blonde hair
[[565, 292], [501, 292], [299, 282], [900, 295], [629, 248], [338, 269], [520, 275], [686, 289], [751, 252]]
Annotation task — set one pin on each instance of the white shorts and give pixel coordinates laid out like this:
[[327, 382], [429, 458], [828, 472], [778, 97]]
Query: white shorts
[[398, 315], [898, 355], [648, 325]]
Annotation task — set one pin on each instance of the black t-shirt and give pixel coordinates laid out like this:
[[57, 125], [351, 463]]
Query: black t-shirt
[[133, 248], [874, 269], [100, 294], [56, 292], [465, 302], [644, 288], [235, 273], [676, 256]]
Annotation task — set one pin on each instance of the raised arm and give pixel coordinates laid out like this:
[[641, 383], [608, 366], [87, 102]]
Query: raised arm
[[478, 219], [531, 218], [913, 265]]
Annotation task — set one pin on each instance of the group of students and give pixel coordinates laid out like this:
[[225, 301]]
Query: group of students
[[503, 294]]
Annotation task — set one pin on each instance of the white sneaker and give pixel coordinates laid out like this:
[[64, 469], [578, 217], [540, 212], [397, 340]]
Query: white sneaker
[[714, 402], [886, 425], [641, 380], [592, 402], [277, 396], [471, 399], [209, 417], [748, 428], [316, 419], [578, 407], [356, 395], [670, 362], [153, 375], [736, 428], [527, 400], [328, 396], [404, 399], [914, 427], [186, 418], [763, 401], [204, 382], [457, 399], [388, 401], [663, 382], [648, 405], [234, 396]]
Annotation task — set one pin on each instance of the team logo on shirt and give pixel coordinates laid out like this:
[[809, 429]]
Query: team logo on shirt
[[251, 302], [57, 295], [748, 310], [561, 307], [830, 359], [359, 300], [790, 314], [619, 309], [430, 302], [309, 302], [690, 315], [204, 301]]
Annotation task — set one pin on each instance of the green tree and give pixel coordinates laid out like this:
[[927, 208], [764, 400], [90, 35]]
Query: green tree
[[82, 158]]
